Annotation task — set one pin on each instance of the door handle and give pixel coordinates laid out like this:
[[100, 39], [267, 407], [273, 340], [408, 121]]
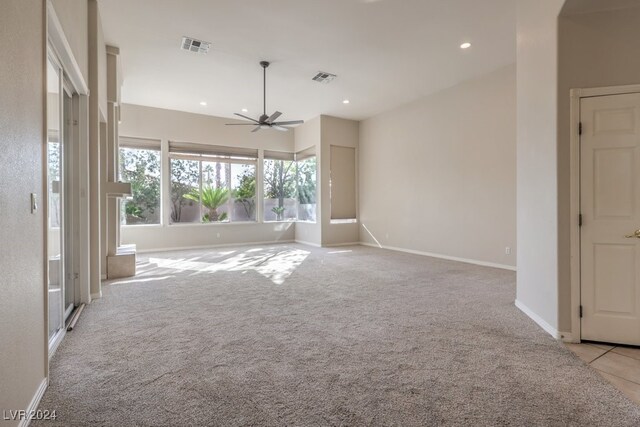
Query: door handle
[[636, 234]]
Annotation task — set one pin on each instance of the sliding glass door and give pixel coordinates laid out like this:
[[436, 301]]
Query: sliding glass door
[[55, 198], [61, 279]]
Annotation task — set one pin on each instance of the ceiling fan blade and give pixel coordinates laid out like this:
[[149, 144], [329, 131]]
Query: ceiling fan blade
[[246, 117], [280, 128], [256, 129], [274, 116], [292, 122], [240, 124]]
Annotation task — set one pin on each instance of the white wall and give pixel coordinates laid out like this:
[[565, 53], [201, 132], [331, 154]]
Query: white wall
[[438, 175], [23, 357], [168, 125], [537, 189], [595, 50]]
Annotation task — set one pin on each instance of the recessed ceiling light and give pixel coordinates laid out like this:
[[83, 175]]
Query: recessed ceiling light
[[346, 101], [465, 45], [244, 110], [203, 103]]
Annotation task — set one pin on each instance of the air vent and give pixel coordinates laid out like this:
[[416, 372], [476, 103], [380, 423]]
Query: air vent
[[194, 45], [323, 77]]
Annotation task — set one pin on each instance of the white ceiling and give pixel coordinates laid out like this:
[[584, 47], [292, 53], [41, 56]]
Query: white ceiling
[[385, 52]]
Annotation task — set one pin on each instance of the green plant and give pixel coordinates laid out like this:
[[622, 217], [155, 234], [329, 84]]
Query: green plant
[[279, 180], [211, 198], [245, 193], [278, 210], [133, 211]]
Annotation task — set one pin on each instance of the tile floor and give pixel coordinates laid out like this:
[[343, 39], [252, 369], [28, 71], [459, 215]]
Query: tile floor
[[619, 365]]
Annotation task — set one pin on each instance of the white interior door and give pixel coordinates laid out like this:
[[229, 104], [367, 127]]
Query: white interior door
[[610, 207]]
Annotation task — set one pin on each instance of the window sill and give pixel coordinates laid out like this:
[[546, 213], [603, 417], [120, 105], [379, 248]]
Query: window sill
[[343, 221], [211, 224]]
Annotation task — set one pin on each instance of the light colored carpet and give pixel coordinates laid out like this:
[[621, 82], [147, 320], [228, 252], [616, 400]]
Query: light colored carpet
[[298, 336]]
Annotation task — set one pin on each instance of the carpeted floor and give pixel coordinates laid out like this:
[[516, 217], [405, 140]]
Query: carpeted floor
[[289, 335]]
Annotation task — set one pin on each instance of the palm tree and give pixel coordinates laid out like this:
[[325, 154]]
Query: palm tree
[[211, 198]]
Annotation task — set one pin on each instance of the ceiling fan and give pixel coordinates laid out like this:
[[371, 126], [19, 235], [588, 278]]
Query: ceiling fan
[[264, 121]]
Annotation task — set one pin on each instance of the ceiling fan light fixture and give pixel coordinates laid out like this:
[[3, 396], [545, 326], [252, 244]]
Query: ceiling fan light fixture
[[265, 121]]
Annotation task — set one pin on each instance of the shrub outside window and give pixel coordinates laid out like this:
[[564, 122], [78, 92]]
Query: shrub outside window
[[140, 166]]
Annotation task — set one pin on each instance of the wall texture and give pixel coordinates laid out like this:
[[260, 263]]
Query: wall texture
[[23, 357], [595, 50], [168, 125], [438, 175], [537, 202], [73, 16]]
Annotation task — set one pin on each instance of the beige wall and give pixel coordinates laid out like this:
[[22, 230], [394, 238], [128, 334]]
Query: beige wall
[[537, 202], [308, 135], [23, 358], [343, 133], [438, 175], [102, 67], [595, 50], [73, 15], [158, 123], [168, 125]]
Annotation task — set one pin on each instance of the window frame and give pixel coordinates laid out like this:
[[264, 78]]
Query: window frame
[[148, 144], [282, 157], [230, 159]]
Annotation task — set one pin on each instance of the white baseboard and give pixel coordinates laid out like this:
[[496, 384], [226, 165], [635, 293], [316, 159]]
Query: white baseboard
[[223, 245], [539, 320], [35, 402], [447, 257], [339, 245], [103, 277], [97, 295], [302, 242]]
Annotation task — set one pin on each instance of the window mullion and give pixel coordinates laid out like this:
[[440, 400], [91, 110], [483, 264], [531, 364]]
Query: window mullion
[[200, 187]]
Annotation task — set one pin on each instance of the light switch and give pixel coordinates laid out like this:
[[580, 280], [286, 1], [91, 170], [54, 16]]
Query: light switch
[[34, 203]]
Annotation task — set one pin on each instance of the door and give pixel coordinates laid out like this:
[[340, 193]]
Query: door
[[55, 200], [610, 208]]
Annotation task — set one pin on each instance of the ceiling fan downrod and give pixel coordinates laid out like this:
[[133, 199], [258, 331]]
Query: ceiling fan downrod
[[264, 65]]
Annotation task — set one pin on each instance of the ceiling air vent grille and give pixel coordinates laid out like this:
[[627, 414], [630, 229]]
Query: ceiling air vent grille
[[323, 77], [195, 45]]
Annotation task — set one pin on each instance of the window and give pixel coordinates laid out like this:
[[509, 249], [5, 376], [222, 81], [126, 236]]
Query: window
[[279, 186], [306, 173], [343, 183], [212, 184], [140, 165]]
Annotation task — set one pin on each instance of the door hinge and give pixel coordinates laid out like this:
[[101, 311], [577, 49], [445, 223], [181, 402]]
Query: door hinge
[[580, 220], [580, 128], [580, 311]]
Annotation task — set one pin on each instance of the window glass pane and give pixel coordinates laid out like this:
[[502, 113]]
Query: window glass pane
[[307, 189], [243, 192], [185, 187], [279, 190], [141, 168], [215, 191]]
